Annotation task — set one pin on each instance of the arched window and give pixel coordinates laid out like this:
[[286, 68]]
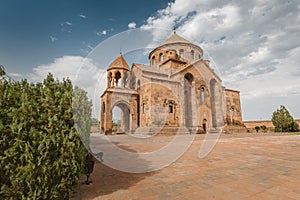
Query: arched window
[[192, 55], [181, 53], [202, 94], [144, 107], [161, 57], [232, 112], [153, 60], [171, 107], [117, 78], [103, 107]]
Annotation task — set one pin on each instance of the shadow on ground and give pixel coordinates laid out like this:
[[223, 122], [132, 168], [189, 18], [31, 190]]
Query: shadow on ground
[[106, 180]]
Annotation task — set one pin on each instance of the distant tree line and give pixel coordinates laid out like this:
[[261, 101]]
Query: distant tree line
[[43, 130]]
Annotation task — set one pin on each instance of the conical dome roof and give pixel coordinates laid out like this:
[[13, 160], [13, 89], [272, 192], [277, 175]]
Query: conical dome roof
[[119, 63], [175, 39]]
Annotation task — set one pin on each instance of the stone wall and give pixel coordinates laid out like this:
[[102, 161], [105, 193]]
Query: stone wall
[[233, 108]]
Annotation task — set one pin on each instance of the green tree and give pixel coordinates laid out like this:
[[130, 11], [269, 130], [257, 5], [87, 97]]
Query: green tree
[[294, 127], [282, 120], [41, 154], [2, 72]]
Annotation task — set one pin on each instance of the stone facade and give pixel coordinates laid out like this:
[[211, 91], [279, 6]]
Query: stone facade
[[177, 90]]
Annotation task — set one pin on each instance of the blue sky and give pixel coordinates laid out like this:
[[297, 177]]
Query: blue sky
[[253, 46], [35, 32]]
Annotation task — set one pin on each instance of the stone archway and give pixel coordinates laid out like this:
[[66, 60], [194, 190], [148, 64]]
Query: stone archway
[[125, 122]]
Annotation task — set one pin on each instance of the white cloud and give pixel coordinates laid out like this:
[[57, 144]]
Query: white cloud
[[68, 23], [53, 39], [82, 16], [103, 32], [254, 48], [132, 25], [81, 71], [15, 75]]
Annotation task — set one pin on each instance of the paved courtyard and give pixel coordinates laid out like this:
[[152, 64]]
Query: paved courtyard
[[245, 166]]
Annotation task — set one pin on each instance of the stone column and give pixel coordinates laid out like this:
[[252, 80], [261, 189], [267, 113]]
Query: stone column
[[113, 80], [122, 79]]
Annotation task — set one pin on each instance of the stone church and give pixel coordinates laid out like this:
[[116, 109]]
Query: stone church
[[177, 91]]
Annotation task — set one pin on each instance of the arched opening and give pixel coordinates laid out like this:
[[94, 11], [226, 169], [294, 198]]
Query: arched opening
[[188, 80], [153, 60], [181, 53], [121, 118], [232, 113], [125, 80], [192, 55], [204, 125], [171, 107], [213, 87], [161, 57], [202, 95], [117, 78]]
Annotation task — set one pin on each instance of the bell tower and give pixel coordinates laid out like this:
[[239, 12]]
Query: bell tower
[[118, 73], [118, 93]]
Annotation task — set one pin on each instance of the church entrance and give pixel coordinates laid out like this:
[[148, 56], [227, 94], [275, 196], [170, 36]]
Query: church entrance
[[204, 125], [121, 118], [188, 79]]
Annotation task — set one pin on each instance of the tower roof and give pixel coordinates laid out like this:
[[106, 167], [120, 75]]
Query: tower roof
[[119, 63]]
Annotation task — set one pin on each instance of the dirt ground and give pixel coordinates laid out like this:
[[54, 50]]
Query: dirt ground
[[243, 166]]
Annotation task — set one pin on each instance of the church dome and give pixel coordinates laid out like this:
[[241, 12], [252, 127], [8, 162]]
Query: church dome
[[174, 39], [175, 47]]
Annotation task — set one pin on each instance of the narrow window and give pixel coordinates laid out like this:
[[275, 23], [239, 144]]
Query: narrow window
[[103, 108], [171, 105], [161, 57], [192, 55], [181, 52], [232, 112], [202, 95], [153, 60]]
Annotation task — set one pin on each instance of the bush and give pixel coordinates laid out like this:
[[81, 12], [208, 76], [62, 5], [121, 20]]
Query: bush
[[263, 128], [41, 154], [256, 129]]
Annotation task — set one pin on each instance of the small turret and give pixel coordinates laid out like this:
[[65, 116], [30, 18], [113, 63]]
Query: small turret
[[118, 73]]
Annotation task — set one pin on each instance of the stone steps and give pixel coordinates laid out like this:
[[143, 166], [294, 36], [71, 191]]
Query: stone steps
[[154, 130]]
